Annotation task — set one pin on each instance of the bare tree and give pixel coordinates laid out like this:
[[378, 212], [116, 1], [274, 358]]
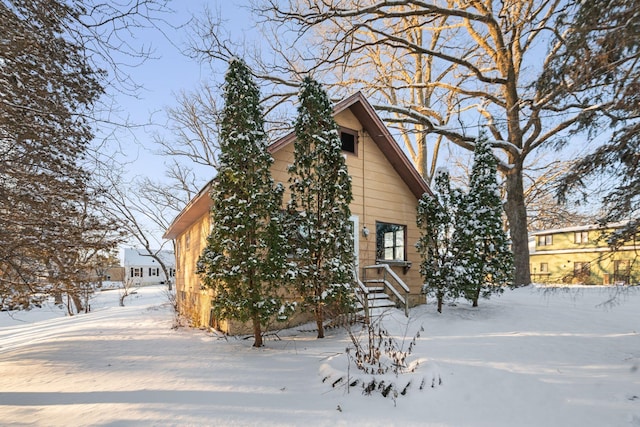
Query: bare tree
[[485, 59], [145, 208], [194, 129]]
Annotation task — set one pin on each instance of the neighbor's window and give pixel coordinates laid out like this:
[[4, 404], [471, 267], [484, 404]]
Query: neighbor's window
[[545, 240], [544, 267], [349, 140], [172, 272], [390, 242], [136, 272], [154, 271], [581, 237], [581, 269], [622, 266]]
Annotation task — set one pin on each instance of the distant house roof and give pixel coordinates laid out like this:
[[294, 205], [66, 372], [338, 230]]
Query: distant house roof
[[367, 116], [141, 258]]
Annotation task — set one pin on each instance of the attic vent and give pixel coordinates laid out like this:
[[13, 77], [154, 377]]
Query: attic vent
[[349, 140]]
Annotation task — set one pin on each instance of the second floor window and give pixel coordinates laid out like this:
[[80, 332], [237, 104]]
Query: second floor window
[[349, 141], [581, 237], [546, 240]]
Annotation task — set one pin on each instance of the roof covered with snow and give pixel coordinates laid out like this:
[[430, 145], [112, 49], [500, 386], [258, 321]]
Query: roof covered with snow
[[141, 257]]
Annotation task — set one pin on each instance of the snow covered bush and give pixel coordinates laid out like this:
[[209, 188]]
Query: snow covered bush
[[383, 363]]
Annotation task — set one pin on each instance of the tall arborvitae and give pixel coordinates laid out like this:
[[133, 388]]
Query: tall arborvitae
[[437, 220], [320, 196], [245, 255], [482, 239]]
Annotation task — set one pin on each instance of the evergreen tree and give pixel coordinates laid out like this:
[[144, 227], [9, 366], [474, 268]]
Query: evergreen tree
[[245, 255], [485, 258], [320, 195], [437, 221], [49, 88]]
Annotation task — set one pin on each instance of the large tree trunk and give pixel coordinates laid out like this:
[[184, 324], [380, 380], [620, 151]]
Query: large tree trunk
[[257, 331], [517, 215]]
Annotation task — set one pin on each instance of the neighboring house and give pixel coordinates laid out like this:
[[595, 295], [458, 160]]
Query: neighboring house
[[386, 188], [581, 255], [141, 269]]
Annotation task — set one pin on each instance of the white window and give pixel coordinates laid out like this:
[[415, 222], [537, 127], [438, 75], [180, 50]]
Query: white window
[[136, 271], [154, 271]]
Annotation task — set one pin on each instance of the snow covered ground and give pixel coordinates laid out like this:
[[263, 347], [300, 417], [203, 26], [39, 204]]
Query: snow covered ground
[[528, 358]]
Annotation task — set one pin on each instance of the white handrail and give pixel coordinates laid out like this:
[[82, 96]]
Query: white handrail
[[404, 300]]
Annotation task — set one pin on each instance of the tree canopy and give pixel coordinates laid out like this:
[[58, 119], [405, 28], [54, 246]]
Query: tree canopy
[[48, 220]]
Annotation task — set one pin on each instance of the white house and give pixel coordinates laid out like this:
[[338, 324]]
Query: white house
[[143, 269]]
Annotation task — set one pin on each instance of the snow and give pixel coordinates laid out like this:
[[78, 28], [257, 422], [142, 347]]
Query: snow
[[532, 357]]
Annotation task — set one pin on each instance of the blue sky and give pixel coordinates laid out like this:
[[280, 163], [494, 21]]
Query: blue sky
[[167, 74]]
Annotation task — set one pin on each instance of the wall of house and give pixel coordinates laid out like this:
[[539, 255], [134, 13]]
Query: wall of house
[[556, 262], [193, 302], [379, 194]]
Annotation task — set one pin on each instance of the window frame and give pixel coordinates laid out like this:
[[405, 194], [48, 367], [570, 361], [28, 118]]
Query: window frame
[[545, 240], [581, 237], [381, 246], [354, 134], [582, 268]]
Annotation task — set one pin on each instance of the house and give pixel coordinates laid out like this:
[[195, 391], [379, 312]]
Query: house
[[386, 189], [581, 255], [142, 269]]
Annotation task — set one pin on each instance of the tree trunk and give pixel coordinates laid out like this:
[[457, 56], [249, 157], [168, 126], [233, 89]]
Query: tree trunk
[[476, 297], [439, 304], [517, 215], [257, 331], [319, 322]]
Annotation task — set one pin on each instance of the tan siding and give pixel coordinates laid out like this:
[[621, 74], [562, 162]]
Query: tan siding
[[379, 195]]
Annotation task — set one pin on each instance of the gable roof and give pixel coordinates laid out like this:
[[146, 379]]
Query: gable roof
[[372, 124]]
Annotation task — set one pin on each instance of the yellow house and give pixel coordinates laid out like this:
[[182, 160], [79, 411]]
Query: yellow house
[[386, 188], [581, 255]]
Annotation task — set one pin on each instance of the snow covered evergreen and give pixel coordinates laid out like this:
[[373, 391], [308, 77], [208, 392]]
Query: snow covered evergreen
[[488, 260], [437, 221], [320, 195], [245, 255]]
